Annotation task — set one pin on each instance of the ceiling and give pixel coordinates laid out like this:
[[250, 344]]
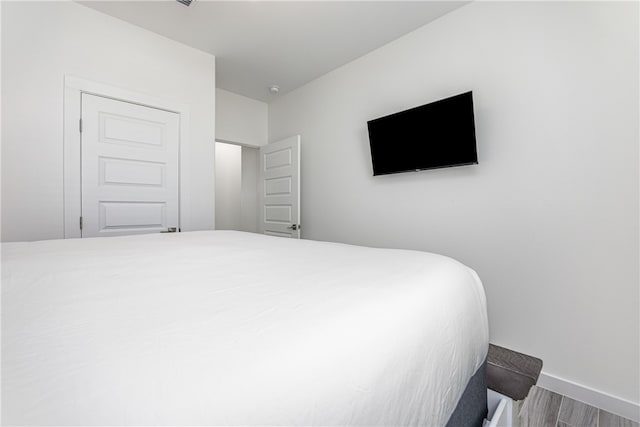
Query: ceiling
[[286, 43]]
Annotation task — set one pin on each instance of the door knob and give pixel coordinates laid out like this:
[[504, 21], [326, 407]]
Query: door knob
[[170, 230], [293, 227]]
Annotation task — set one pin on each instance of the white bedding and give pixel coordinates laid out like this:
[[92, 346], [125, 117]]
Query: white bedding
[[230, 328]]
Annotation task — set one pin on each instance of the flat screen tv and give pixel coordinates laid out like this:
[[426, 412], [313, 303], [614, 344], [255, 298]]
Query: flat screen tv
[[436, 135]]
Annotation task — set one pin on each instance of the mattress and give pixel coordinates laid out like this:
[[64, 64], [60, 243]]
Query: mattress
[[232, 328]]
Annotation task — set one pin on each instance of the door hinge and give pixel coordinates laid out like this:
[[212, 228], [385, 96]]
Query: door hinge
[[80, 125], [80, 223]]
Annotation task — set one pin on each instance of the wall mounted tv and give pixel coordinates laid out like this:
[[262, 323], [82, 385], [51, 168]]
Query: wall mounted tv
[[436, 135]]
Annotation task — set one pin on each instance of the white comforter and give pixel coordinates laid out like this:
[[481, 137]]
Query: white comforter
[[230, 328]]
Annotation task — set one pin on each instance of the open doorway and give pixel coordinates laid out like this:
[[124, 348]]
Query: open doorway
[[236, 187]]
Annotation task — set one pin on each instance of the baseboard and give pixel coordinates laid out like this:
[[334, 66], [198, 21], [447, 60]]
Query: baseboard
[[613, 404]]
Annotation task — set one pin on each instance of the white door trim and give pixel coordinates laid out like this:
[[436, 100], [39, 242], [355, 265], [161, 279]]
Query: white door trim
[[73, 89]]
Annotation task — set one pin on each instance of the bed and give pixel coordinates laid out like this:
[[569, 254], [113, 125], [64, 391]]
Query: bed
[[232, 328]]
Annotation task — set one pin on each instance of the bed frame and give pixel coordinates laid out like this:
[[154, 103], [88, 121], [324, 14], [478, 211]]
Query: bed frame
[[471, 410]]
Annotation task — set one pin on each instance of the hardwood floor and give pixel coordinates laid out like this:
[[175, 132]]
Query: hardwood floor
[[540, 408], [576, 413], [609, 420], [543, 408]]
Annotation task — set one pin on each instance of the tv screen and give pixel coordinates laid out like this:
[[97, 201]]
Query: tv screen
[[436, 135]]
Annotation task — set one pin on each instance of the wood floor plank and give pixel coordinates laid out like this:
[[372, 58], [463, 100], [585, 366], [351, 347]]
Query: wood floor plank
[[607, 419], [578, 414], [541, 408], [515, 416]]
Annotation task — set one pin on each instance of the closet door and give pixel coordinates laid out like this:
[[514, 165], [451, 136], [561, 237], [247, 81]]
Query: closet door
[[130, 175]]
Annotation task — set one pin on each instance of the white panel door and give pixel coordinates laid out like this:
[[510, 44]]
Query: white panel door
[[279, 188], [129, 168]]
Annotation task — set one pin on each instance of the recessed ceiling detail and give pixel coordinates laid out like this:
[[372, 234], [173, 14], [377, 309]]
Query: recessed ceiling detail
[[257, 43]]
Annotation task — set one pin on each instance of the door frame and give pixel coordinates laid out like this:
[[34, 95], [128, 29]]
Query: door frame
[[74, 87], [242, 145]]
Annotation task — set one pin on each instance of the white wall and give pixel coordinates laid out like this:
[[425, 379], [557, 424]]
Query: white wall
[[236, 187], [243, 120], [240, 119], [228, 186], [549, 218], [44, 41], [249, 190]]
